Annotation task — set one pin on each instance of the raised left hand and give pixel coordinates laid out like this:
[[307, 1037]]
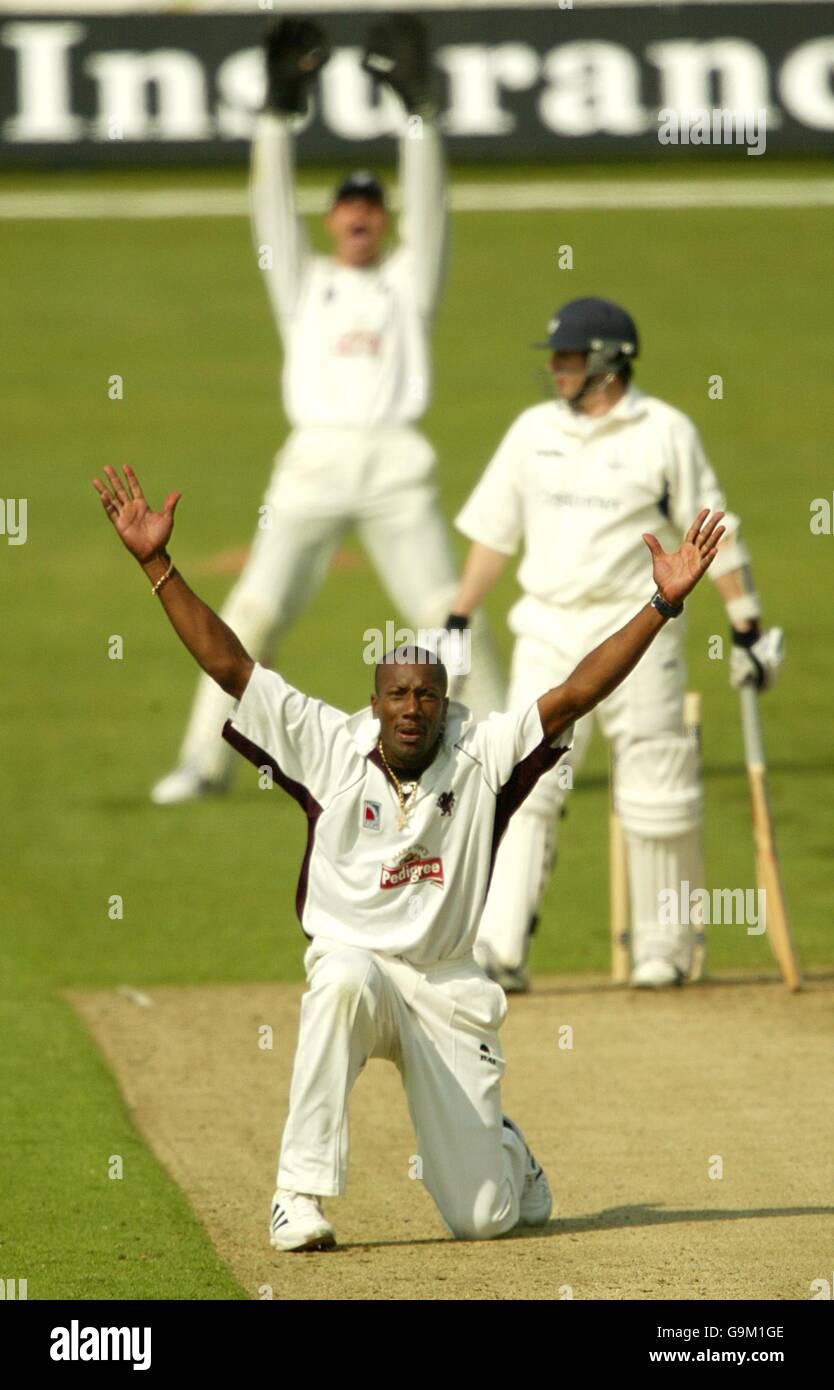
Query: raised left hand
[[677, 574]]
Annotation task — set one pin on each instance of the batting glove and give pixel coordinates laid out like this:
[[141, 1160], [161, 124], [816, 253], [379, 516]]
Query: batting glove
[[296, 50], [397, 53], [756, 657]]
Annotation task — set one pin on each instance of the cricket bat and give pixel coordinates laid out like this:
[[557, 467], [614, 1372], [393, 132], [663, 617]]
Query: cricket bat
[[768, 875]]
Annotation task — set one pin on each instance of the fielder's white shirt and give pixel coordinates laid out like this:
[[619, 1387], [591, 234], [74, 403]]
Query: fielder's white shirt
[[356, 349], [580, 491], [415, 893]]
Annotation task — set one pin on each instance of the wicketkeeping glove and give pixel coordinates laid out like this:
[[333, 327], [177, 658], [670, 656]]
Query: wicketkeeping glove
[[454, 650], [397, 52], [756, 658], [296, 50]]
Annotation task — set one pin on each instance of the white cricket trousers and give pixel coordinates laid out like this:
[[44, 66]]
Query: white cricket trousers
[[657, 782], [325, 481], [439, 1025]]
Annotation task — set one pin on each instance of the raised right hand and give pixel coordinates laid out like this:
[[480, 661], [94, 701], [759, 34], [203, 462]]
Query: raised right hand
[[296, 50], [143, 532], [397, 52]]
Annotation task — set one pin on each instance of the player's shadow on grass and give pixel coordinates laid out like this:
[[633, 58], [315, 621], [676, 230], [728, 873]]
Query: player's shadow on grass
[[612, 1219]]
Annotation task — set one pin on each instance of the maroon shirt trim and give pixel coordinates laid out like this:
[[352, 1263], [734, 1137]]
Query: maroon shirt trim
[[297, 791], [517, 788]]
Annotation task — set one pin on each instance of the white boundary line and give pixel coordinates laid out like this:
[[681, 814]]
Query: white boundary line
[[553, 196]]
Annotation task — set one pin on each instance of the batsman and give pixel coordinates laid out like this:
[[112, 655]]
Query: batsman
[[575, 482]]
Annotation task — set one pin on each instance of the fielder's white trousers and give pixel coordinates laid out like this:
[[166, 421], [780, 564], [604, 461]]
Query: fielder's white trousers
[[658, 793], [326, 481], [439, 1025]]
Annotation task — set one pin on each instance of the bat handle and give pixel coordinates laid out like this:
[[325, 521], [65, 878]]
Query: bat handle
[[754, 754]]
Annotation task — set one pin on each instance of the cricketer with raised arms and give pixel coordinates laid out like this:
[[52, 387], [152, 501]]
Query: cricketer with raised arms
[[406, 803]]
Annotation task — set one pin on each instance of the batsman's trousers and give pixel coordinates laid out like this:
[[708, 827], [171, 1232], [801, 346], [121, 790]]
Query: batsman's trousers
[[439, 1025]]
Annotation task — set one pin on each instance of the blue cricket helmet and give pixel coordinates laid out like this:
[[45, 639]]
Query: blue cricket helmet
[[604, 331]]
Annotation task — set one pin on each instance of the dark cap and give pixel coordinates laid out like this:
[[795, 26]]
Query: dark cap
[[360, 184], [587, 325]]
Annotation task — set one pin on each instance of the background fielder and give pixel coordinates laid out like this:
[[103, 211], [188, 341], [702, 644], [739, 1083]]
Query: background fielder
[[386, 979], [576, 480], [356, 378]]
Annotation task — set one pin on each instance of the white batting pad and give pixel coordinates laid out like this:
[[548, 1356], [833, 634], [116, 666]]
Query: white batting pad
[[657, 787], [662, 876]]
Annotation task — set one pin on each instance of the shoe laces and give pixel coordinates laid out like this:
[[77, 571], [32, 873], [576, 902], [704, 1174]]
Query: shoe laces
[[284, 1195]]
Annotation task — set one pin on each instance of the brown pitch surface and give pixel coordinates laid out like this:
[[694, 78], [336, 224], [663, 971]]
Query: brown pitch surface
[[628, 1122]]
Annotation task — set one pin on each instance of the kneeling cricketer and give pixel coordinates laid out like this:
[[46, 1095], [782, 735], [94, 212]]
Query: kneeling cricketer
[[406, 803]]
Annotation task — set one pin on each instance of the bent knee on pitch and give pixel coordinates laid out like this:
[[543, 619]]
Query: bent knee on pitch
[[492, 1212]]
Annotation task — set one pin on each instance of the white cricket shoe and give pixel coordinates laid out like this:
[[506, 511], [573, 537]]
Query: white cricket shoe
[[183, 784], [536, 1198], [513, 979], [298, 1222], [656, 974]]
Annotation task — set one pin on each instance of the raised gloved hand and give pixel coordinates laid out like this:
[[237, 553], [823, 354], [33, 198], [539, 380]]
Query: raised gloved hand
[[397, 52], [756, 657], [296, 50], [455, 651]]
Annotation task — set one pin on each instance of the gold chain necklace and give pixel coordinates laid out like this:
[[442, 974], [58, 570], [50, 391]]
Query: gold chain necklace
[[405, 798]]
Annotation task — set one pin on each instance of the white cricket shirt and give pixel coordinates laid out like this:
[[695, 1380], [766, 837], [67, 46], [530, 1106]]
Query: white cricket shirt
[[415, 893], [580, 491], [356, 349]]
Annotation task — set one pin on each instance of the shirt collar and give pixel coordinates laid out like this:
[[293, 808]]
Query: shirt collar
[[630, 405]]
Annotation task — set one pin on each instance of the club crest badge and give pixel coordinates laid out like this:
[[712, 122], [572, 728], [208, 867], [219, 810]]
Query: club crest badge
[[372, 815]]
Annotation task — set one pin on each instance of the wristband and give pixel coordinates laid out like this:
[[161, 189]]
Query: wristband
[[163, 579], [666, 610], [744, 609], [456, 622]]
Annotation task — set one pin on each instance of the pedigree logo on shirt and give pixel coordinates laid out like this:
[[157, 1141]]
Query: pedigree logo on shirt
[[358, 343], [415, 865]]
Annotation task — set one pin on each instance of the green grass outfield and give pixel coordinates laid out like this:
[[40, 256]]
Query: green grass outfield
[[177, 308]]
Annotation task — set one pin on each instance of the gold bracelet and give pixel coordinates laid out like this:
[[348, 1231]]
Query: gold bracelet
[[164, 579]]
